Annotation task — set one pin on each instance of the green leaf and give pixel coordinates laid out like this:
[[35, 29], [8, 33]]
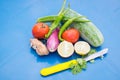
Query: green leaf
[[77, 68], [72, 65], [92, 61], [92, 51], [80, 61]]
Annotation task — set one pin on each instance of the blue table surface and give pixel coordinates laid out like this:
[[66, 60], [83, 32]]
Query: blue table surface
[[19, 62]]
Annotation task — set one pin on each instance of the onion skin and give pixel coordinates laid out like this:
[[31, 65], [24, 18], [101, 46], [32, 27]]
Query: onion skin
[[53, 41]]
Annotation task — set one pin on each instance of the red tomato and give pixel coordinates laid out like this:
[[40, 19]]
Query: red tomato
[[39, 30], [72, 35]]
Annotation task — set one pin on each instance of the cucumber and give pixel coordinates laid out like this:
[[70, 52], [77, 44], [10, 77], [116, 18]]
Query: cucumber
[[88, 30]]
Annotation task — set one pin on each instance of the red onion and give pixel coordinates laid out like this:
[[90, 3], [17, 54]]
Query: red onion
[[53, 41]]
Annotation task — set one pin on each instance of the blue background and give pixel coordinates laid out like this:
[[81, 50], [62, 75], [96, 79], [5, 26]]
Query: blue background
[[19, 62]]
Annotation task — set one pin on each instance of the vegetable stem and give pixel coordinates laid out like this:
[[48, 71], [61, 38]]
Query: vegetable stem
[[63, 6]]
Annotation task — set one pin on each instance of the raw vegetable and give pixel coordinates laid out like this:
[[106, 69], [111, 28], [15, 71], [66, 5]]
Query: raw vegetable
[[65, 26], [79, 66], [53, 41], [54, 17], [47, 18], [65, 49], [40, 48], [88, 30], [72, 35], [39, 30], [57, 21], [82, 47]]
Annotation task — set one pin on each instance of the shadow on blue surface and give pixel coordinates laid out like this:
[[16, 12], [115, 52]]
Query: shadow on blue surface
[[52, 57]]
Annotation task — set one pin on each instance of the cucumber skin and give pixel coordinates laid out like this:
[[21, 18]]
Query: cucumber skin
[[88, 30]]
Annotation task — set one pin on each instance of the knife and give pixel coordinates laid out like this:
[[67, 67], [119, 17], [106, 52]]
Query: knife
[[66, 65]]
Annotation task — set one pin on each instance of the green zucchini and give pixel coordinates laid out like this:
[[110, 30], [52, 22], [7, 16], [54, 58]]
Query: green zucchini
[[88, 30]]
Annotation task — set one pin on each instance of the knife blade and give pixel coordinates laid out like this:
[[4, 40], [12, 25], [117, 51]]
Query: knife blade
[[97, 54]]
